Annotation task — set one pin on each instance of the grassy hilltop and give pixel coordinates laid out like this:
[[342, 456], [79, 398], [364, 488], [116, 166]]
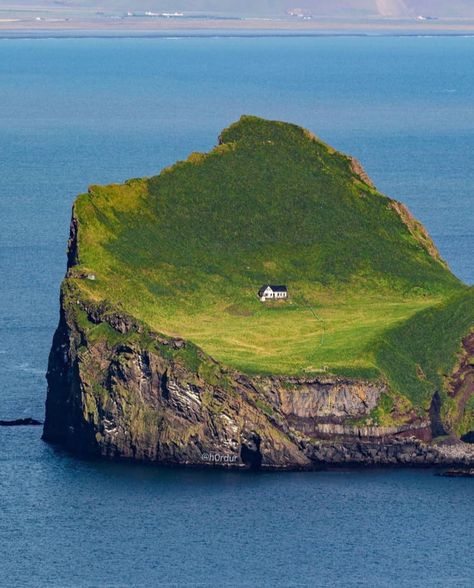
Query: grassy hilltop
[[187, 250]]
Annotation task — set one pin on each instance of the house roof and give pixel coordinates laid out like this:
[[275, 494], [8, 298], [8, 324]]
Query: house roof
[[274, 288]]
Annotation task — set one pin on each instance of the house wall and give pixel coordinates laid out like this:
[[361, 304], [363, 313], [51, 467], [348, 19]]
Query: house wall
[[269, 295]]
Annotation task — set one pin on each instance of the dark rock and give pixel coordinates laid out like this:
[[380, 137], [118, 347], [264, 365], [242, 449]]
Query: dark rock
[[250, 450], [468, 437], [20, 423], [458, 473], [437, 427]]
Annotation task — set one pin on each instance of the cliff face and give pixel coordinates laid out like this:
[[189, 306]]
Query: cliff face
[[137, 395], [117, 390]]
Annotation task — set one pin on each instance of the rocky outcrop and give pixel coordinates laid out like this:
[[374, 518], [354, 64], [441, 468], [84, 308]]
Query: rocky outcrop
[[138, 395], [119, 391], [26, 422], [417, 230], [311, 403], [359, 171], [390, 451], [461, 388], [458, 473]]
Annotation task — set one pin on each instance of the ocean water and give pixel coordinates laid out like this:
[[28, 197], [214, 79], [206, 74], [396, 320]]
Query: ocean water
[[75, 112]]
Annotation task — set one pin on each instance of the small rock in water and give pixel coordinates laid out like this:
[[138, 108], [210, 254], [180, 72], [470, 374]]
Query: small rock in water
[[467, 473], [20, 422]]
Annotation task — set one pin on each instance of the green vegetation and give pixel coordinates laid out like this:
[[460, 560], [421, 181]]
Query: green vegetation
[[186, 251], [418, 355]]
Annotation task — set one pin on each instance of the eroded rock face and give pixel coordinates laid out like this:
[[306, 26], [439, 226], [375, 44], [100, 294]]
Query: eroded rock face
[[132, 394], [461, 385], [392, 451], [323, 400], [123, 401]]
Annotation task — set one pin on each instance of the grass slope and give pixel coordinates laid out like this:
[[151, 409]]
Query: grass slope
[[187, 250]]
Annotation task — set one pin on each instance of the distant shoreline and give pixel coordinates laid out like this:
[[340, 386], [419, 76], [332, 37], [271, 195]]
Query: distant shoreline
[[216, 34], [183, 27]]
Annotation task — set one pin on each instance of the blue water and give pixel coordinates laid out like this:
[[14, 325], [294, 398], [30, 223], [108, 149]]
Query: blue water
[[79, 111]]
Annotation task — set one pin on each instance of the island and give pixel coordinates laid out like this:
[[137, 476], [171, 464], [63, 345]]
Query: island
[[168, 352]]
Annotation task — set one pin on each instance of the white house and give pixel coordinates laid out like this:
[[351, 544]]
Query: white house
[[269, 292]]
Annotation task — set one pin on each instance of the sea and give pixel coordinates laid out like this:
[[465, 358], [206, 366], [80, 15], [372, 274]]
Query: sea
[[81, 111]]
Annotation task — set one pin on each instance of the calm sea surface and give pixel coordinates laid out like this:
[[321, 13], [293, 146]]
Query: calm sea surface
[[78, 112]]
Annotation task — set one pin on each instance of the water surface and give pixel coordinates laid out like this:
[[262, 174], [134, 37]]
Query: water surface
[[74, 112]]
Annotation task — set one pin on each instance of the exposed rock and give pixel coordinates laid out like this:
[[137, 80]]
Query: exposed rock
[[323, 400], [359, 171], [73, 250], [468, 437], [20, 422], [392, 451], [461, 387], [437, 427], [417, 230], [158, 399], [122, 401], [469, 473]]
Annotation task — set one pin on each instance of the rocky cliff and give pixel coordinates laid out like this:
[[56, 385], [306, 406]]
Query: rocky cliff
[[118, 390]]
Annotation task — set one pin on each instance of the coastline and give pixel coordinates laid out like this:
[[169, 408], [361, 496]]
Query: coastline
[[252, 27]]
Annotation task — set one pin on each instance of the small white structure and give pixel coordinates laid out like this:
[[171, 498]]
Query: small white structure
[[270, 292]]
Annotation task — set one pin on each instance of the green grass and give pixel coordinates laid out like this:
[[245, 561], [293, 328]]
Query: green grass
[[419, 354], [187, 250]]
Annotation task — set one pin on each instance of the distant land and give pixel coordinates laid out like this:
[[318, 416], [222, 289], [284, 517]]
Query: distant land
[[274, 8], [295, 16]]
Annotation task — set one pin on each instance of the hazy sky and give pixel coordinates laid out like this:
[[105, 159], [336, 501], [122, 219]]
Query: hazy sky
[[394, 8]]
